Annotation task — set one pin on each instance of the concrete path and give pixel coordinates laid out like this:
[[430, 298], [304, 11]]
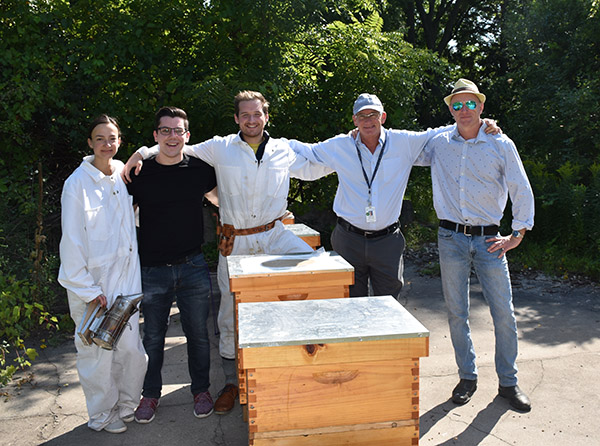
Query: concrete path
[[559, 363]]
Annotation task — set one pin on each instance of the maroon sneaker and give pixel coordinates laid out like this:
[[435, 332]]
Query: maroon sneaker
[[203, 405], [146, 410]]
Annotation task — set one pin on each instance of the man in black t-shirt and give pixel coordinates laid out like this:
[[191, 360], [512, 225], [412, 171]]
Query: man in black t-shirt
[[169, 192]]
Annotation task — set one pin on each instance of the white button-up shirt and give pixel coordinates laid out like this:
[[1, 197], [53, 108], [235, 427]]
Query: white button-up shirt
[[251, 193], [387, 192], [472, 179], [98, 248]]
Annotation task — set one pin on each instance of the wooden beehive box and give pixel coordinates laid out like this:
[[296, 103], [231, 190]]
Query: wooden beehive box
[[288, 277], [314, 275], [332, 372], [306, 233]]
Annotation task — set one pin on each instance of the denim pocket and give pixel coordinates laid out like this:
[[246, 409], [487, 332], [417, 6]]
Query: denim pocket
[[445, 233], [198, 261]]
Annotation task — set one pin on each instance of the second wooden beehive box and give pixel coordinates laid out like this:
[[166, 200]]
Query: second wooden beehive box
[[332, 372]]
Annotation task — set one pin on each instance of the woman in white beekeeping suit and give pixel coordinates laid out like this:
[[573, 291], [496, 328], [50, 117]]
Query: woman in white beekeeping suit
[[99, 261]]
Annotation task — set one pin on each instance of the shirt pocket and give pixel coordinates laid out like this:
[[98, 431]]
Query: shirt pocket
[[97, 224], [229, 180], [278, 183]]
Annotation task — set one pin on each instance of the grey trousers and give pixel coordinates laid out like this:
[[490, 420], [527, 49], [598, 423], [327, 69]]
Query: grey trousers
[[376, 259]]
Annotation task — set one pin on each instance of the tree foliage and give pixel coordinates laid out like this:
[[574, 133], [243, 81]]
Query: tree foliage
[[435, 24], [552, 83], [550, 102]]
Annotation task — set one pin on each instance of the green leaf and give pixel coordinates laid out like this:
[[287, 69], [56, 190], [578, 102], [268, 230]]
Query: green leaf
[[32, 354]]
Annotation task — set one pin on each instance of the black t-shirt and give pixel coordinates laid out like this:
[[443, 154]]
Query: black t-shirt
[[170, 205]]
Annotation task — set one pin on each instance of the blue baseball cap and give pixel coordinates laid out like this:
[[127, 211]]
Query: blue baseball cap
[[365, 101]]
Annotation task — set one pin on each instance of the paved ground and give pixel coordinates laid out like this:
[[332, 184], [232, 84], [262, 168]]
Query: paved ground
[[559, 327]]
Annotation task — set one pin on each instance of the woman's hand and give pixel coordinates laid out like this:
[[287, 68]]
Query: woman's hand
[[101, 300]]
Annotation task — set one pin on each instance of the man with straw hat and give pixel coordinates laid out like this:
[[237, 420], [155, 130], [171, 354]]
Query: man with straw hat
[[473, 173]]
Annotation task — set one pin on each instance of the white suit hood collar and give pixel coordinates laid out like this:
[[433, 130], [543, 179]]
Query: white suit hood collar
[[89, 168]]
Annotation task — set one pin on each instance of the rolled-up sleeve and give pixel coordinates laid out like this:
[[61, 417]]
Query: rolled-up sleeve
[[519, 190]]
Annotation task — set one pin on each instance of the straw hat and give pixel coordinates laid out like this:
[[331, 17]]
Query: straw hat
[[464, 86]]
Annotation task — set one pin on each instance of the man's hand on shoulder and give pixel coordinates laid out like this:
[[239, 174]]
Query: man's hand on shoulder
[[134, 161], [492, 127]]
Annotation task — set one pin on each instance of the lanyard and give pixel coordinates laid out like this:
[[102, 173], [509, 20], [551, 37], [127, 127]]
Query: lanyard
[[370, 182]]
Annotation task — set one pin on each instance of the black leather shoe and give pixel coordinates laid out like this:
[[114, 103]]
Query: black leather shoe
[[516, 397], [463, 392]]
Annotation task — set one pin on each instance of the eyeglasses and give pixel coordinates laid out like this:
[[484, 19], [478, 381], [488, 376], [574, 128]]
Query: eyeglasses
[[166, 131], [365, 116], [471, 105]]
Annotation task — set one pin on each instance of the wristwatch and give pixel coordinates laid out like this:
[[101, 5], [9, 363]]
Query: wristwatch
[[517, 234]]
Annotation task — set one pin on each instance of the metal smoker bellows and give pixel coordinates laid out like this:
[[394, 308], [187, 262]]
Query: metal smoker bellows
[[105, 328]]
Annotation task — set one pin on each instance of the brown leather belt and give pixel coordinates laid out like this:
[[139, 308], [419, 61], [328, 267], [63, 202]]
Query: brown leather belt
[[255, 230], [227, 233]]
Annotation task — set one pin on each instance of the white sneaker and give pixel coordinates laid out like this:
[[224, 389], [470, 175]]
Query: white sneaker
[[116, 427], [128, 418]]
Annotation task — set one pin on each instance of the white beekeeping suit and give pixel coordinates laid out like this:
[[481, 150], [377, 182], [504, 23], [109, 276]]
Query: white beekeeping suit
[[99, 255]]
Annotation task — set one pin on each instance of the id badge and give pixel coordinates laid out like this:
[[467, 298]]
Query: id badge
[[370, 214]]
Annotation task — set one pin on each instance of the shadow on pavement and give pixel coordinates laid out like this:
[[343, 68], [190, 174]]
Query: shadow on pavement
[[475, 431]]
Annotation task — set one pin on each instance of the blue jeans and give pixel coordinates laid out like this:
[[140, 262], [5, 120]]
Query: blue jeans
[[189, 283], [458, 252]]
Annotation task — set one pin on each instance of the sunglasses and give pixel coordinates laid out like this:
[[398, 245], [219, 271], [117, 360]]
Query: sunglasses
[[471, 105]]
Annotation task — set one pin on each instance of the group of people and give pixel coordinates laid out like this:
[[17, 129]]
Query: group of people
[[474, 170]]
